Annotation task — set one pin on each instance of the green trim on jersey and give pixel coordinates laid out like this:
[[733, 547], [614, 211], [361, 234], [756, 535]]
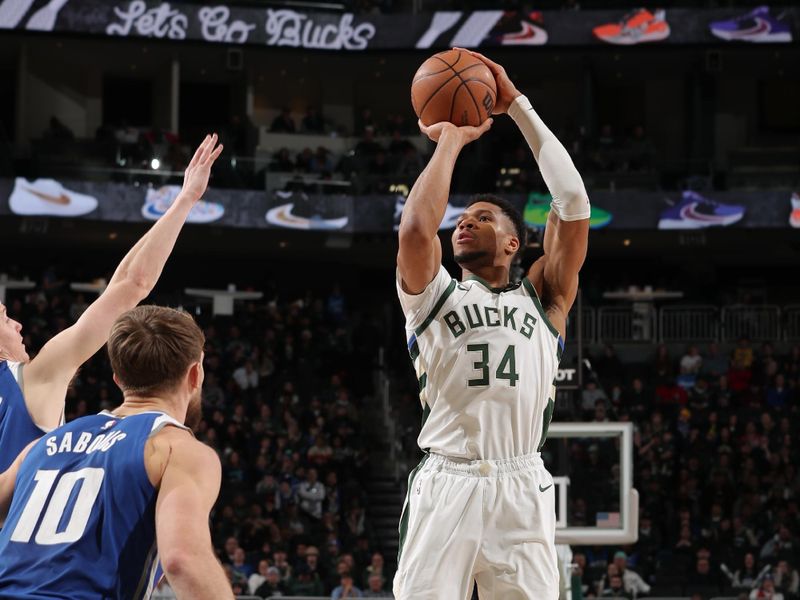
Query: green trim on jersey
[[423, 381], [413, 352], [404, 518], [494, 290], [436, 308], [426, 412], [546, 418], [532, 292]]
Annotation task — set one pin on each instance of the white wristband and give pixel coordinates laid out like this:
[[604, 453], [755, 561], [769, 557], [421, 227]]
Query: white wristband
[[570, 201]]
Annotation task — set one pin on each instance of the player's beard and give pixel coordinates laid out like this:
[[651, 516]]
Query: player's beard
[[468, 258], [194, 412]]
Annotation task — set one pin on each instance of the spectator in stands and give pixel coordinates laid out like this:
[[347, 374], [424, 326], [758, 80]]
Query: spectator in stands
[[604, 582], [314, 566], [256, 580], [377, 568], [691, 362], [313, 121], [703, 580], [778, 395], [781, 542], [240, 564], [282, 161], [283, 123], [322, 162], [591, 395], [714, 363], [304, 160], [311, 493], [766, 591], [633, 583], [231, 545], [305, 583], [347, 589], [663, 372], [615, 588], [375, 588], [786, 579], [246, 376], [367, 147], [321, 452], [273, 586]]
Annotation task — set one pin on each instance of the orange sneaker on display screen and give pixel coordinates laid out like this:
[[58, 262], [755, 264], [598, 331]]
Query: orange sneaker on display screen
[[635, 28]]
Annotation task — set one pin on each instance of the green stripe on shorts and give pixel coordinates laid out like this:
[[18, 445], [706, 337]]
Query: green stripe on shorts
[[404, 518]]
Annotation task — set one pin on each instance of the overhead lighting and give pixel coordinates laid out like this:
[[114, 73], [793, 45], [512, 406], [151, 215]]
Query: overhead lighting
[[155, 164], [626, 242]]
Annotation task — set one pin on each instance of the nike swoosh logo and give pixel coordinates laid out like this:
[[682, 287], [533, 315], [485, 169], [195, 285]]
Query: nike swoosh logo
[[61, 199], [529, 34], [283, 216], [544, 489]]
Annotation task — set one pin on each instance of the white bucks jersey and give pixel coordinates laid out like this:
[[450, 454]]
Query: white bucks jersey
[[486, 361]]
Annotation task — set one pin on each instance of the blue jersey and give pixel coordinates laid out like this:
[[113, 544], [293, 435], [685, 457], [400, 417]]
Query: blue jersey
[[82, 521], [17, 429]]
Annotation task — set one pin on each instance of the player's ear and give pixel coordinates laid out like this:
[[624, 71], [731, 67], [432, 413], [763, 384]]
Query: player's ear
[[116, 380], [195, 375], [512, 245]]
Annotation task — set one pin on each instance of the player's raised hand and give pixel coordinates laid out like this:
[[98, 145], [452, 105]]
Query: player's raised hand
[[195, 178], [464, 135], [506, 91]]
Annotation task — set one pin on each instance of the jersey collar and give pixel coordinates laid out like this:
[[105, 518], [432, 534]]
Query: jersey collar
[[495, 290]]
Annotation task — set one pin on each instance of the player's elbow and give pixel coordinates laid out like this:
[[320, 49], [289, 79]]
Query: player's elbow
[[180, 563], [136, 287], [413, 232]]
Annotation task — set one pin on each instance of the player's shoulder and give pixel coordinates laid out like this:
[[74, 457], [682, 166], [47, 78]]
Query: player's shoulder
[[187, 448]]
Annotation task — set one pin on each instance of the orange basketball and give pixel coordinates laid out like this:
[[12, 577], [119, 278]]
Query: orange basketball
[[453, 86]]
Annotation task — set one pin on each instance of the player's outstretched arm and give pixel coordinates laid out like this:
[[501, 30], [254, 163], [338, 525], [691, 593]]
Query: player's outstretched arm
[[188, 490], [420, 252], [555, 275], [49, 373], [8, 480]]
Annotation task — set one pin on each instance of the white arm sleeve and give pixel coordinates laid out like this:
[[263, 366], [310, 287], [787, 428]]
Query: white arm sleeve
[[570, 201]]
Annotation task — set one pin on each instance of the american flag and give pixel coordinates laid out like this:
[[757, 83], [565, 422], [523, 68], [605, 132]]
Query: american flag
[[608, 519]]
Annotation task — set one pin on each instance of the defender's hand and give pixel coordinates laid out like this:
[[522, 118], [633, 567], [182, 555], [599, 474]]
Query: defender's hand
[[506, 92], [195, 179]]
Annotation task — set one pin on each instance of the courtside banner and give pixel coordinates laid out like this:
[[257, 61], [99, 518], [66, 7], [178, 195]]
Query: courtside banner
[[343, 213], [231, 24]]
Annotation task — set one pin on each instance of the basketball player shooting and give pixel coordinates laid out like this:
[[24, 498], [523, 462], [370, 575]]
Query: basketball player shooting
[[34, 404], [481, 506]]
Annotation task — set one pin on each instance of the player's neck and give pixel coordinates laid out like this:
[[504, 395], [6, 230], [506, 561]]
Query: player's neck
[[495, 277], [133, 405]]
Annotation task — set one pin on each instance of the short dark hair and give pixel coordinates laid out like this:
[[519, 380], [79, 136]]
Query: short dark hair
[[151, 347], [509, 210]]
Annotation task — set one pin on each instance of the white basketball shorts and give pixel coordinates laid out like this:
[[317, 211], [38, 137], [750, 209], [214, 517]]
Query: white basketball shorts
[[486, 521]]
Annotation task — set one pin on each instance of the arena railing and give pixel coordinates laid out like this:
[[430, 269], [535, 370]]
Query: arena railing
[[635, 323], [698, 323], [791, 322], [757, 323]]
